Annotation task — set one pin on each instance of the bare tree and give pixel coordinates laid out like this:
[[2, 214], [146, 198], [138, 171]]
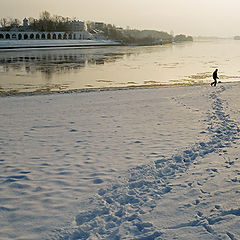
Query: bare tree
[[4, 22], [13, 22], [31, 20], [45, 15], [17, 22]]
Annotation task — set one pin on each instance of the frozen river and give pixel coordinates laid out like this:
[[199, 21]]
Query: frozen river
[[107, 67]]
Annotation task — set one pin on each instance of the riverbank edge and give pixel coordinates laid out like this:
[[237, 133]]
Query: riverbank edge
[[40, 44], [6, 45], [47, 91]]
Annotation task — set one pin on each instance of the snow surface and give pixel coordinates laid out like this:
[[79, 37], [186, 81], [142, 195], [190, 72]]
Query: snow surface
[[54, 43], [159, 163]]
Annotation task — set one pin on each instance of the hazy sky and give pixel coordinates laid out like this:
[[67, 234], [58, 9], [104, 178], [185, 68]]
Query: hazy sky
[[191, 17]]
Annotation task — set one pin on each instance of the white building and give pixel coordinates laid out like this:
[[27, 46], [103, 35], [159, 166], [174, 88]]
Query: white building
[[24, 32], [14, 35]]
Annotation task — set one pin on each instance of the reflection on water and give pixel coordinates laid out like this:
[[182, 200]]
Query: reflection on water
[[50, 63], [68, 69], [27, 71]]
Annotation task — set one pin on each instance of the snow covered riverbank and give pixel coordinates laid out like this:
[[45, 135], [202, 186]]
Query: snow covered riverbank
[[159, 163], [20, 44]]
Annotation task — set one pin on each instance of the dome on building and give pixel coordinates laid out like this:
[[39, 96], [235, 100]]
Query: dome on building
[[25, 22]]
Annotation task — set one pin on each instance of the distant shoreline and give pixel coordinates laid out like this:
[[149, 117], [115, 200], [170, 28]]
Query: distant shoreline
[[47, 91], [43, 44], [39, 44]]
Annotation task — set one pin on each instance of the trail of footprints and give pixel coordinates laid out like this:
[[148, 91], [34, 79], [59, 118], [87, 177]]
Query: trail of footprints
[[115, 213], [224, 132]]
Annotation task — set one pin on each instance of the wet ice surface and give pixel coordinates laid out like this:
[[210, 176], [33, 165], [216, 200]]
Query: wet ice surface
[[116, 67], [133, 164]]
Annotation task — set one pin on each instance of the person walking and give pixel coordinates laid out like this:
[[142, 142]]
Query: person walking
[[215, 77]]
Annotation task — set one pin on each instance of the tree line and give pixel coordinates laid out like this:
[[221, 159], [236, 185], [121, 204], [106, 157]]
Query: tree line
[[48, 22], [133, 36]]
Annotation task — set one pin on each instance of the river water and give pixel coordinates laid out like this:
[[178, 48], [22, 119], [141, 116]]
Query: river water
[[107, 67]]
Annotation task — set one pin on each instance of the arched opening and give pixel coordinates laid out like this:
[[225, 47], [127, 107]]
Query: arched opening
[[43, 36], [19, 36], [65, 36], [32, 36], [49, 36], [7, 36], [59, 36], [54, 36], [74, 36], [1, 36], [37, 36], [80, 36], [25, 36], [14, 36], [70, 36]]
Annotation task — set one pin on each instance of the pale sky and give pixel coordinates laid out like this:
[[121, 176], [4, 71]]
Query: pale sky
[[190, 17]]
